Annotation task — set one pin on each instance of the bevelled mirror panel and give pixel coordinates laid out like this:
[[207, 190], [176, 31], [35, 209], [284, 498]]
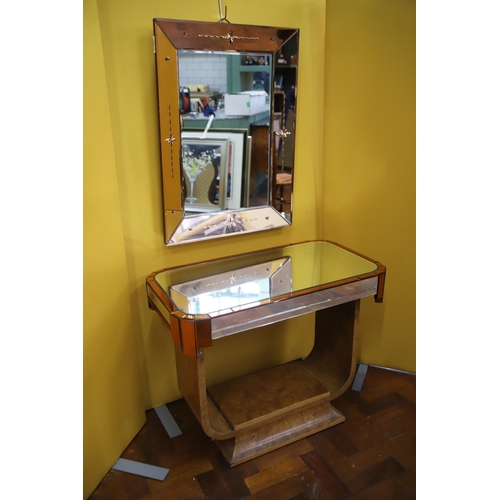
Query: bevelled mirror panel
[[227, 98]]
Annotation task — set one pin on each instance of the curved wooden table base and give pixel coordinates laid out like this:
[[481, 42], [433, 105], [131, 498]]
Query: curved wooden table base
[[253, 415]]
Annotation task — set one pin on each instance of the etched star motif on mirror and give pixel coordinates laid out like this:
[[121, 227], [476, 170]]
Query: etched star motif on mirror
[[283, 133], [170, 139], [229, 37]]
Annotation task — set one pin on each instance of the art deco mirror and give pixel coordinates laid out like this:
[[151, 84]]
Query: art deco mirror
[[227, 98]]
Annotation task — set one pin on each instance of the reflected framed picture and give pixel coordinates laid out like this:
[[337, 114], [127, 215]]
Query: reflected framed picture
[[204, 173], [237, 161]]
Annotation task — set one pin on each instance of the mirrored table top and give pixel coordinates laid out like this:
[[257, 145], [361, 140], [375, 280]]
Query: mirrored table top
[[245, 281]]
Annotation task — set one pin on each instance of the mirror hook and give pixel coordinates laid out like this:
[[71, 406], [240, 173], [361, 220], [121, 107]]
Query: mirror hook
[[225, 14]]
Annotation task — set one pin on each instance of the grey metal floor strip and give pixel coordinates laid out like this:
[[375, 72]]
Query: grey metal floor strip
[[139, 469], [168, 421], [359, 378]]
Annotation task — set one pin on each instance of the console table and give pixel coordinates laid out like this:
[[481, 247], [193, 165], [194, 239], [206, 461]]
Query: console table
[[203, 302]]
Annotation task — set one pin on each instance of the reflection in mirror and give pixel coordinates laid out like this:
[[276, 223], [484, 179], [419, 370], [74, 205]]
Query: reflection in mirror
[[237, 162], [211, 84], [204, 164], [227, 100]]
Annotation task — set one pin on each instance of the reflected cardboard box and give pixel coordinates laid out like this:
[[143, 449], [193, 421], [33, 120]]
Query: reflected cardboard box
[[246, 103]]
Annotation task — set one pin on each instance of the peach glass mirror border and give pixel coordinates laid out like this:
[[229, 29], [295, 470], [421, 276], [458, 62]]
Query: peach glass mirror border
[[172, 36]]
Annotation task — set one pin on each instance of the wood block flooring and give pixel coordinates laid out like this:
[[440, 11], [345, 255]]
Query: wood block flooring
[[370, 456]]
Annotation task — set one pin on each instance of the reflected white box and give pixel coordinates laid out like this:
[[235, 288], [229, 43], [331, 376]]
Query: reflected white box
[[246, 103]]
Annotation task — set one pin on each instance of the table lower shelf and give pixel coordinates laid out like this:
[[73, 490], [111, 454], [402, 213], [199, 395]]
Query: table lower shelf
[[270, 409], [267, 396]]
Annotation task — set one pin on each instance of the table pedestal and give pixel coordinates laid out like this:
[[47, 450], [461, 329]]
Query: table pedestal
[[253, 415]]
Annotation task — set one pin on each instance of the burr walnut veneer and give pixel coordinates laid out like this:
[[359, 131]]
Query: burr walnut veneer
[[264, 411]]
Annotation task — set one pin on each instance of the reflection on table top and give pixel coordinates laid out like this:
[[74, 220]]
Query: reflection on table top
[[235, 288], [310, 266]]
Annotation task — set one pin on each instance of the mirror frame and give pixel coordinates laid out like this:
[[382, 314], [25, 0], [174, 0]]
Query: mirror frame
[[171, 36]]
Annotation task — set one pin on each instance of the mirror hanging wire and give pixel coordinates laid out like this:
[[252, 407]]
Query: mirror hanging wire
[[225, 14]]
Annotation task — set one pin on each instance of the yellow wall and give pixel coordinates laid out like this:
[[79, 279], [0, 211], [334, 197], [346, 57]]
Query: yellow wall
[[369, 162], [354, 184], [113, 403], [124, 143], [126, 31]]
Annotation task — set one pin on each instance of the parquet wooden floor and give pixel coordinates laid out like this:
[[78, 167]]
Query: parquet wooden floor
[[369, 456]]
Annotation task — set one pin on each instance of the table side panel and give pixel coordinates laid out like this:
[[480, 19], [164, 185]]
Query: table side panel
[[158, 303]]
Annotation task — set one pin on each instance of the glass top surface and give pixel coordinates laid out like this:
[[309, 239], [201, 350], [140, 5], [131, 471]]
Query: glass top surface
[[251, 279]]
